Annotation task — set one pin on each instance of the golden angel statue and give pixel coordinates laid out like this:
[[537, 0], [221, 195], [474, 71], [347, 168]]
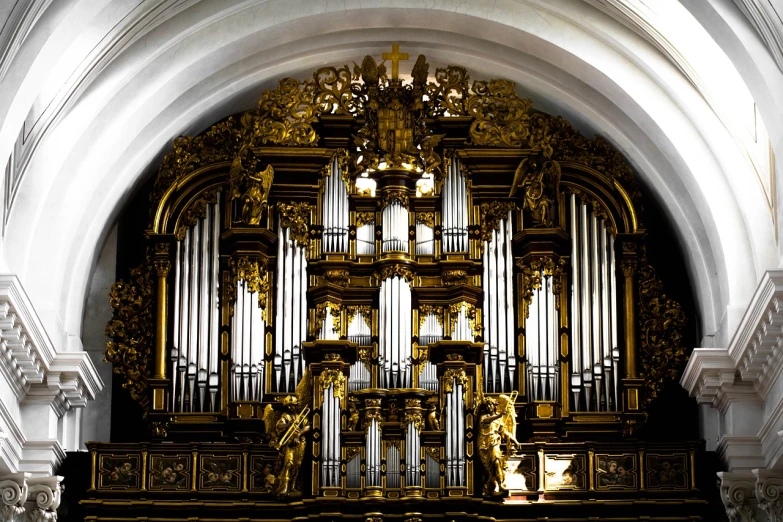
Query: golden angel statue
[[287, 433], [250, 187], [495, 425]]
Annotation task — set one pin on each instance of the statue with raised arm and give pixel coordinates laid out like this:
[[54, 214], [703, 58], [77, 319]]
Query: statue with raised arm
[[492, 431]]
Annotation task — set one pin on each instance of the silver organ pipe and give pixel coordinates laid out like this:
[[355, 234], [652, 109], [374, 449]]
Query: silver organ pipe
[[595, 357], [395, 227], [373, 455], [353, 472], [365, 239], [334, 205], [455, 436], [498, 284], [431, 331], [194, 355], [412, 458], [455, 210], [394, 313], [248, 338], [359, 332], [291, 283], [328, 333], [330, 461], [425, 239], [392, 467]]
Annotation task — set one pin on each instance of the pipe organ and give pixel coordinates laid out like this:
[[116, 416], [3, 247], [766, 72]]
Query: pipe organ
[[401, 290]]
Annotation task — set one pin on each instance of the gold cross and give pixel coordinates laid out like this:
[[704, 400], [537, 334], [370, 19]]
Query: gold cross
[[395, 56]]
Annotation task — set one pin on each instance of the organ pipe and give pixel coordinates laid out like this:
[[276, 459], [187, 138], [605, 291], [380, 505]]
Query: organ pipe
[[195, 347], [498, 308], [330, 463], [394, 312], [455, 215], [594, 311], [395, 227], [334, 215]]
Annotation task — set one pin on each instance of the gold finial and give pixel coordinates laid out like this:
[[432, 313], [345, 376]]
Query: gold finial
[[395, 56]]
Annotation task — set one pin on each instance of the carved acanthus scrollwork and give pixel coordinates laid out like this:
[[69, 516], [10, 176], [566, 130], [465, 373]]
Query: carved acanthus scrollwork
[[470, 313], [390, 195], [131, 330], [426, 218], [501, 116], [453, 277], [339, 277], [414, 417], [452, 377], [250, 185], [362, 218], [533, 271], [320, 317], [47, 494], [296, 217], [286, 114], [426, 309], [255, 274], [661, 330], [331, 377], [395, 270], [366, 311], [491, 216], [768, 493]]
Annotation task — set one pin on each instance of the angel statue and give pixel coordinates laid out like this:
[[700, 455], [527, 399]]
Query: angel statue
[[493, 429], [286, 431]]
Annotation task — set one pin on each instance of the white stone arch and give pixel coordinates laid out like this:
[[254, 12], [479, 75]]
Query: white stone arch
[[207, 60]]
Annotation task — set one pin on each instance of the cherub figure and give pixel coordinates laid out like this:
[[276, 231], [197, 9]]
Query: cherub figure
[[433, 423], [353, 416]]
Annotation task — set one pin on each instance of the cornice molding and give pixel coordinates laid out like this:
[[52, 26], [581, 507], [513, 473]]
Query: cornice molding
[[35, 368]]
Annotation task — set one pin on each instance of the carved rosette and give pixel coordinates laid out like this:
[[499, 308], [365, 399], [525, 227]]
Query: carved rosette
[[131, 330], [491, 216], [331, 377], [661, 330], [296, 217]]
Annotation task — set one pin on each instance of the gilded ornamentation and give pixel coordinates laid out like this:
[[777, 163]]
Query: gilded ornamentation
[[363, 218], [493, 429], [337, 90], [413, 403], [331, 377], [196, 210], [285, 115], [287, 433], [534, 270], [250, 186], [254, 273], [661, 330], [426, 218], [296, 216], [353, 419], [431, 159], [219, 143], [470, 313], [501, 117], [162, 267], [491, 216], [333, 357], [320, 316], [451, 89], [365, 310], [628, 267], [426, 309], [339, 277], [452, 377], [395, 270], [131, 331], [454, 357], [433, 420], [539, 180], [159, 429], [453, 277], [394, 194], [414, 417], [433, 452]]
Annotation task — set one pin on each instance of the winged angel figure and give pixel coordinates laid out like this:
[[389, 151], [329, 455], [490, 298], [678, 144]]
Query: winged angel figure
[[497, 424], [286, 430]]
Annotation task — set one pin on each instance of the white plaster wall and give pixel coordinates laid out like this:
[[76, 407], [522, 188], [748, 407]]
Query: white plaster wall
[[96, 419]]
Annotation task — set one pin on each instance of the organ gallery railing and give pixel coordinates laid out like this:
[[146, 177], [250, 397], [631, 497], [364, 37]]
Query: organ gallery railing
[[432, 271]]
